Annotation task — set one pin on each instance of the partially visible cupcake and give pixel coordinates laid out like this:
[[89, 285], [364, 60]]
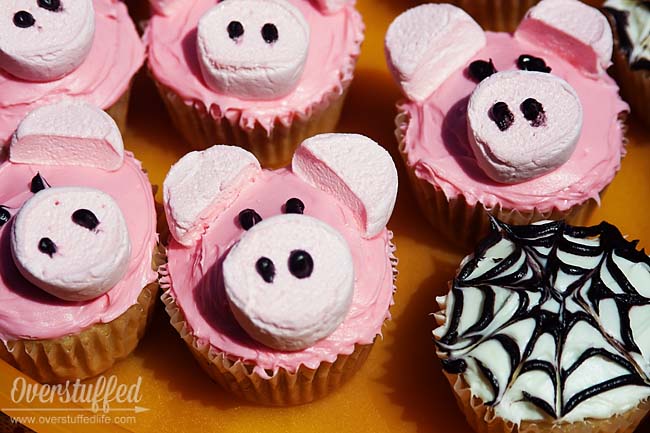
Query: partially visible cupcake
[[524, 126], [262, 74], [280, 281], [50, 50], [79, 245], [631, 23], [545, 329]]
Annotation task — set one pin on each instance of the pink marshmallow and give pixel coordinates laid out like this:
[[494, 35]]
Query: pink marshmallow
[[253, 49], [577, 32], [526, 148], [201, 185], [164, 7], [281, 308], [355, 170], [72, 257], [332, 6], [428, 43], [68, 133], [37, 44]]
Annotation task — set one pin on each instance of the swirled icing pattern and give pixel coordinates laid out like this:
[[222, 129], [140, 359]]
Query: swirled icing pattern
[[550, 322]]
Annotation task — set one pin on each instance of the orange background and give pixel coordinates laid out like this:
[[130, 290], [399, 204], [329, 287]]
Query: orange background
[[401, 387]]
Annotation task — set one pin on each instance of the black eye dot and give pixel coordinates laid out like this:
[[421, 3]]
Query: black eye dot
[[301, 265], [85, 218], [23, 19], [502, 116], [248, 218], [479, 70], [38, 183], [50, 5], [266, 269], [5, 216], [46, 246], [526, 62], [294, 205], [235, 29], [533, 111], [270, 33]]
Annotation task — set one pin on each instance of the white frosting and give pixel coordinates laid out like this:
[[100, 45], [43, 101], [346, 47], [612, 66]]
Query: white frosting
[[72, 133], [201, 185], [428, 43], [526, 149], [637, 27], [53, 46], [88, 261], [289, 313], [248, 66], [355, 170], [499, 304]]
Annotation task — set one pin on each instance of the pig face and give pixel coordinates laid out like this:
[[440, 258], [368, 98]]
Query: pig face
[[289, 276], [44, 40], [523, 122], [71, 242]]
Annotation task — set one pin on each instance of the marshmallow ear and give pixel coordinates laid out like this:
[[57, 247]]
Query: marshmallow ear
[[201, 185], [68, 133], [428, 43], [354, 169], [577, 32], [331, 6]]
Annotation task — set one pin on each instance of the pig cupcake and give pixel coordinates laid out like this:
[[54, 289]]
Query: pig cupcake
[[525, 126], [280, 281], [262, 74], [78, 234], [55, 49]]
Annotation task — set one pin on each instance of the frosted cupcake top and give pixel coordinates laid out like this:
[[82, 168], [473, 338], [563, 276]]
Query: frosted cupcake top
[[523, 121], [88, 49], [549, 322], [255, 61], [283, 268], [632, 20], [77, 224]]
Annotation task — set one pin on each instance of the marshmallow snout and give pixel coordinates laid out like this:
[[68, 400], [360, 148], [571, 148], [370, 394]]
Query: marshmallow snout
[[45, 40], [289, 281], [71, 242], [523, 124], [253, 49]]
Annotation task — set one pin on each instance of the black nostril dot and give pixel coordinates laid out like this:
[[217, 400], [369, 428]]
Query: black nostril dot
[[266, 269], [5, 216], [479, 70], [248, 218], [270, 33], [526, 62], [294, 205], [502, 116], [38, 183], [533, 111], [50, 5], [301, 265], [23, 19], [47, 246], [85, 218], [235, 29]]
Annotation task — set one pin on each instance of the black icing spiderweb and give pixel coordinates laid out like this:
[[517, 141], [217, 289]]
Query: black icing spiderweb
[[550, 299]]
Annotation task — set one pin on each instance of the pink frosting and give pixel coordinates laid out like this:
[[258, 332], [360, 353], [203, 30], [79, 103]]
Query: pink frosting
[[335, 39], [437, 147], [116, 55], [27, 312], [196, 282]]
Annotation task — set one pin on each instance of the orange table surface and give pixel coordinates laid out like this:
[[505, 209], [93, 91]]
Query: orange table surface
[[401, 387]]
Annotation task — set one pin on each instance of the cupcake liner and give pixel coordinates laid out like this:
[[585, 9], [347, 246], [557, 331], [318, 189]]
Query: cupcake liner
[[496, 15], [466, 224], [89, 352], [273, 148], [483, 420], [280, 388], [120, 109]]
